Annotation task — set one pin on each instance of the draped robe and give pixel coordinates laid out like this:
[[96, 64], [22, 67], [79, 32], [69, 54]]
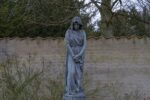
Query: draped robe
[[75, 45]]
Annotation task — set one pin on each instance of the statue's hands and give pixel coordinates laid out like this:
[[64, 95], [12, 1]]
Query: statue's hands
[[76, 58]]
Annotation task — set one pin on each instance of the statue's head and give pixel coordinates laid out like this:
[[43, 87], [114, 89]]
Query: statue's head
[[76, 23]]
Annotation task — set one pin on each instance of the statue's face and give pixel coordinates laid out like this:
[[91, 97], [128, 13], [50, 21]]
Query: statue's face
[[76, 26]]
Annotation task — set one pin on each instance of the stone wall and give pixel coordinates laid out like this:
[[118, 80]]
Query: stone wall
[[125, 60], [98, 50]]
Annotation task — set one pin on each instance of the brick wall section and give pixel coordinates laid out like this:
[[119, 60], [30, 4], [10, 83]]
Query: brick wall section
[[106, 59], [98, 50], [99, 53]]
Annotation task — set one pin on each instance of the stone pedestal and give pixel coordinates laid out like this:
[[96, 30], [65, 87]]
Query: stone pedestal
[[78, 96]]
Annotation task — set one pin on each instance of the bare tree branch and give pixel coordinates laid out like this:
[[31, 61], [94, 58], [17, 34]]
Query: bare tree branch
[[58, 23]]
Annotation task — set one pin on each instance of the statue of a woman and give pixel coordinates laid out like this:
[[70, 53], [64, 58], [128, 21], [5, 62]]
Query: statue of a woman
[[75, 40]]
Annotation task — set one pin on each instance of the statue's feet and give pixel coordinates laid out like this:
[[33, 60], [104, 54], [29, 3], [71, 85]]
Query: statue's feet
[[70, 93]]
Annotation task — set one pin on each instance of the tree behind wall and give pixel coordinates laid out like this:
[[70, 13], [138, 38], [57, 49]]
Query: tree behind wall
[[105, 9], [35, 17]]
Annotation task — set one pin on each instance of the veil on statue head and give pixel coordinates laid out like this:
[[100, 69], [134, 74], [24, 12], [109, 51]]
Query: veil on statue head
[[76, 19]]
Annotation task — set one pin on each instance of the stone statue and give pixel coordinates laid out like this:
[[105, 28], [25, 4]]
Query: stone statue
[[75, 40]]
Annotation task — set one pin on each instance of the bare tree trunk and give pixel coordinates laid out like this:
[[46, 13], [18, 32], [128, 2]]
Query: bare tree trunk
[[106, 16]]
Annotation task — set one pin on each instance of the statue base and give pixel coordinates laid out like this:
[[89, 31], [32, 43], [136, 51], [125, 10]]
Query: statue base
[[78, 96]]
